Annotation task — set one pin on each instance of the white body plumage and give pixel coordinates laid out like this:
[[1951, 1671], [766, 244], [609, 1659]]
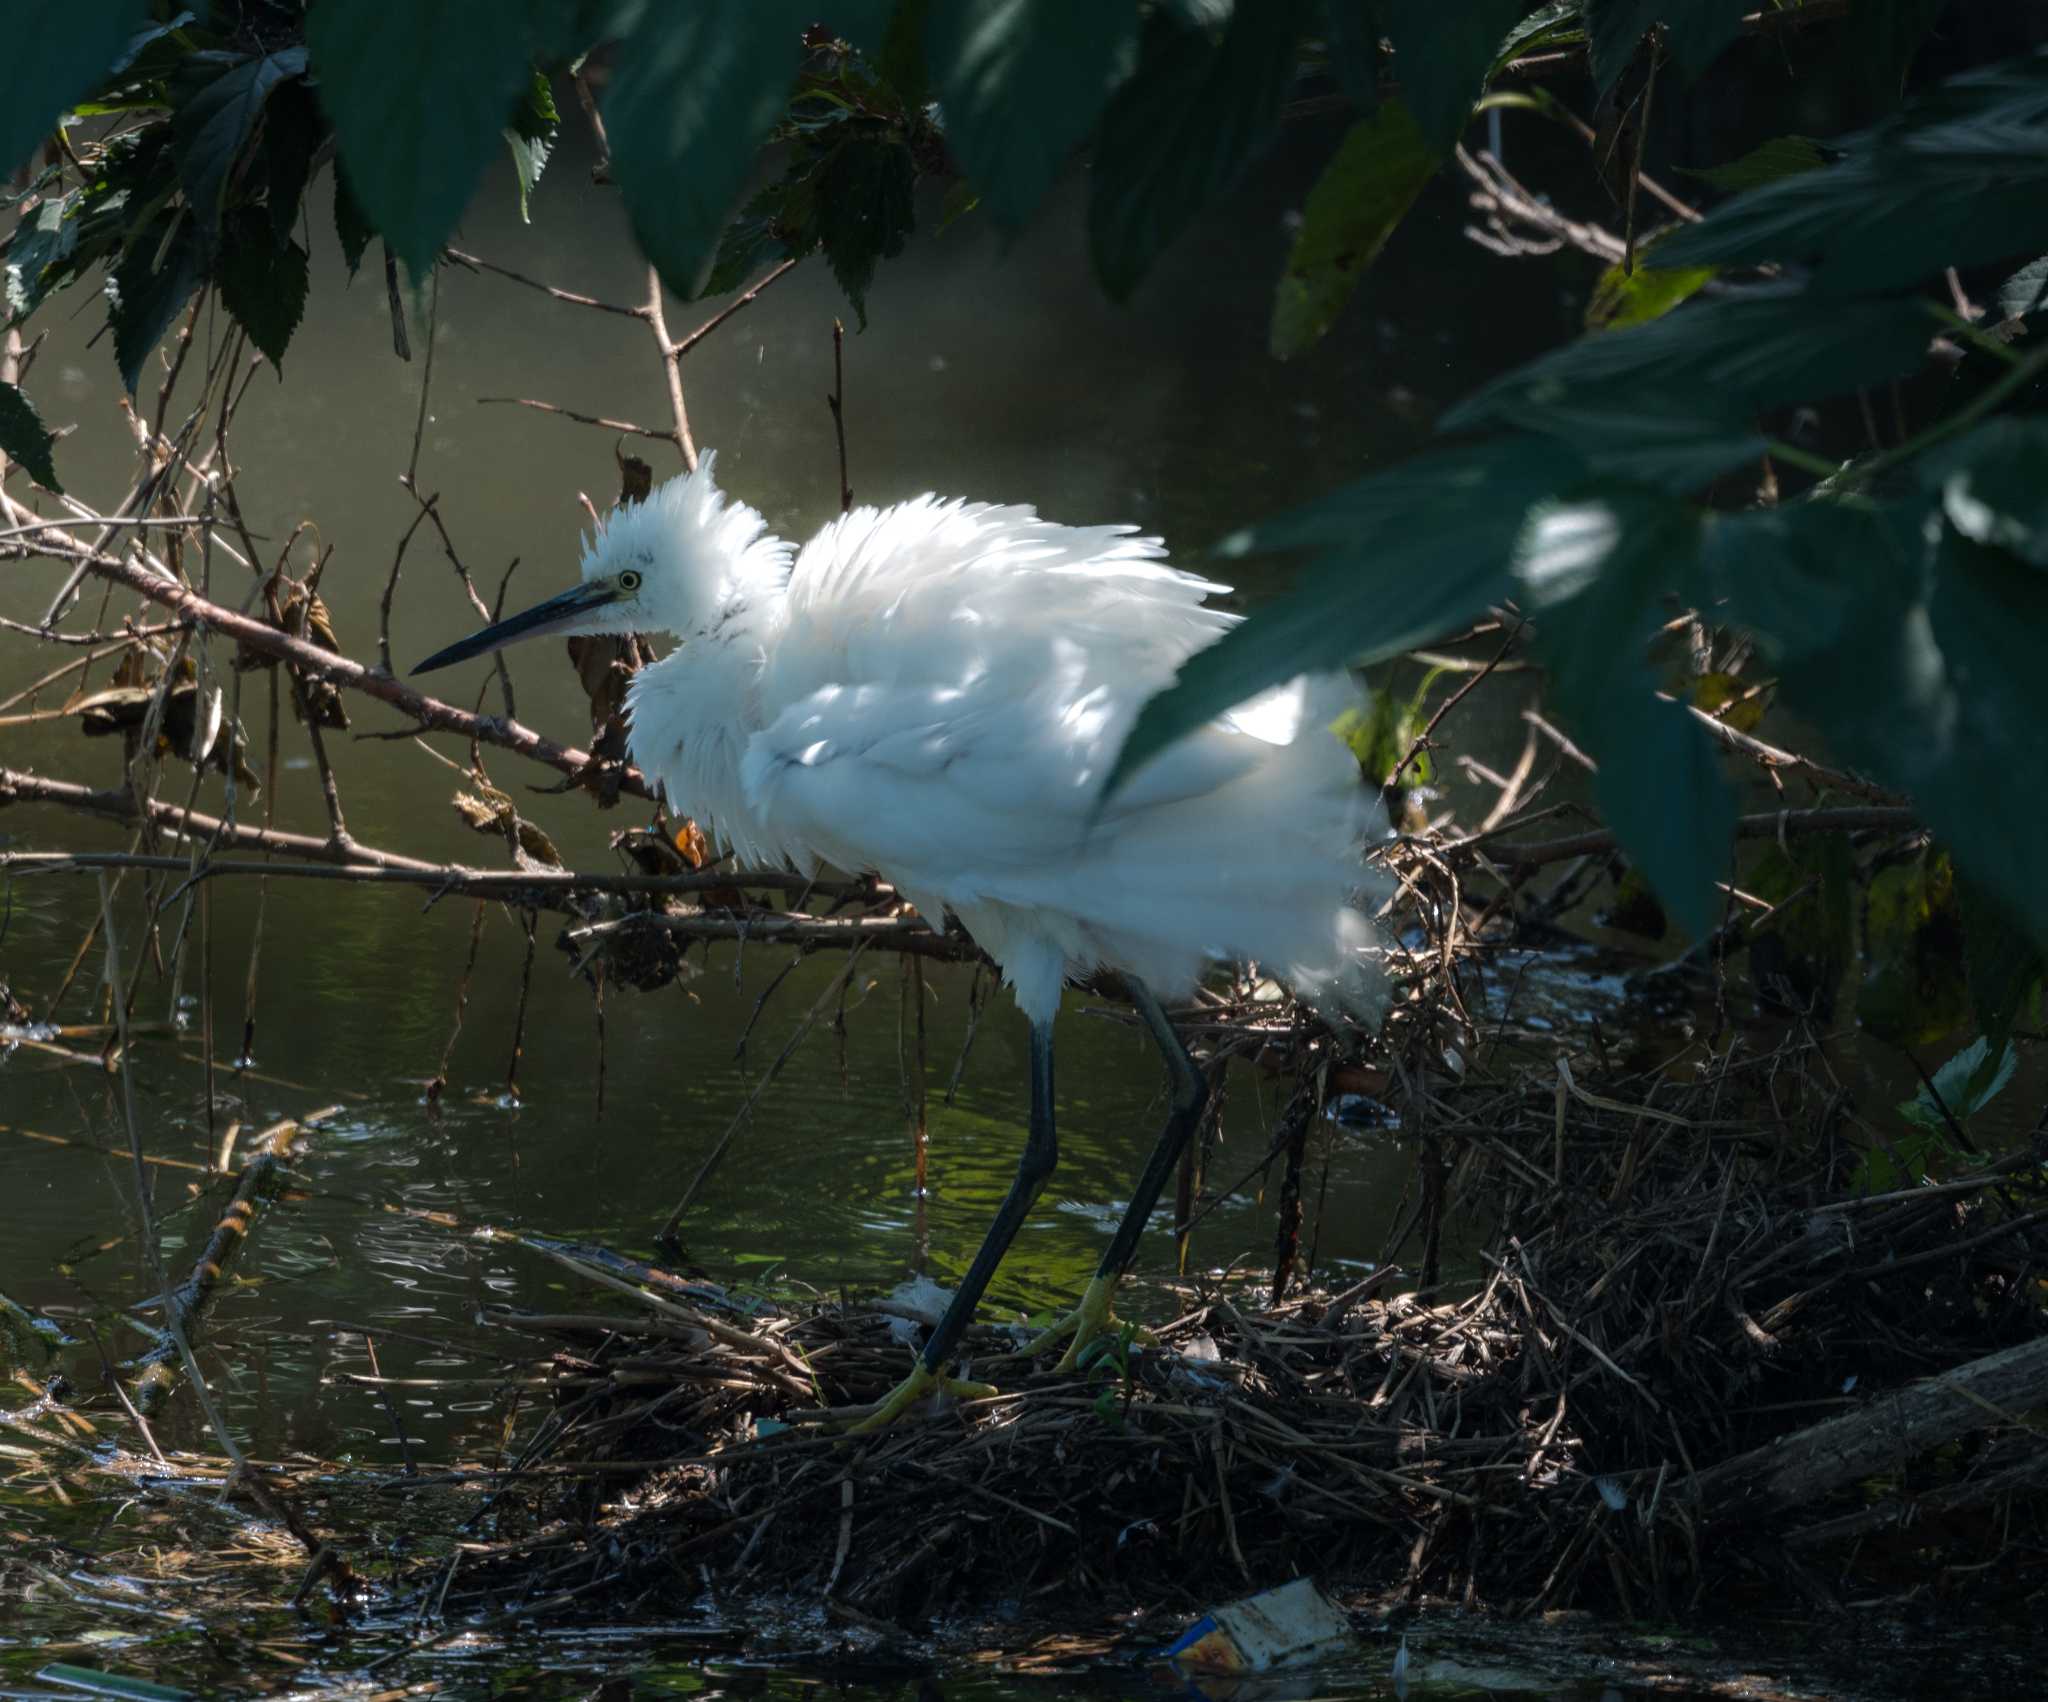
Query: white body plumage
[[935, 690]]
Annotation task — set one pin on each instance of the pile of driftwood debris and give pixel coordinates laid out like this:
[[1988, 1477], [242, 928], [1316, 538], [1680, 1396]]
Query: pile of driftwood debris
[[1689, 1361]]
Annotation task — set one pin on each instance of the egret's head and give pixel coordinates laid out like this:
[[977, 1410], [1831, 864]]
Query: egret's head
[[678, 562]]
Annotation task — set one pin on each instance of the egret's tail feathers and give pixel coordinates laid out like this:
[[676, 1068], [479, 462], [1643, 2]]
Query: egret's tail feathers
[[1296, 897]]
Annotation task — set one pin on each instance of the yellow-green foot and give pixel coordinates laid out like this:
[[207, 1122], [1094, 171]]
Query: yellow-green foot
[[1093, 1318], [920, 1383]]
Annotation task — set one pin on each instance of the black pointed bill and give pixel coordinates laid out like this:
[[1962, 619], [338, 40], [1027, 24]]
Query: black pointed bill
[[552, 616]]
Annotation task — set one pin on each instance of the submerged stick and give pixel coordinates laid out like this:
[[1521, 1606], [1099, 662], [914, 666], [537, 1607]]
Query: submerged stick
[[187, 1304]]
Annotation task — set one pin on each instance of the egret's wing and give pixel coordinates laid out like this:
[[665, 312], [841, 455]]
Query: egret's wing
[[962, 785]]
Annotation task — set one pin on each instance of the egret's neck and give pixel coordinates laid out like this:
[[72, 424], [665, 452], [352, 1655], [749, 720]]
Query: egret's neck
[[693, 712]]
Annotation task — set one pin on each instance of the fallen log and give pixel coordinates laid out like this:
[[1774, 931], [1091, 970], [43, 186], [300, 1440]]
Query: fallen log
[[1878, 1437]]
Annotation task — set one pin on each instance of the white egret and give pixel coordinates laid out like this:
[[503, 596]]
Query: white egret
[[935, 691]]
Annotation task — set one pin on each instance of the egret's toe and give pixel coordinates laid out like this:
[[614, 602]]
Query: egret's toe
[[921, 1382], [1094, 1317]]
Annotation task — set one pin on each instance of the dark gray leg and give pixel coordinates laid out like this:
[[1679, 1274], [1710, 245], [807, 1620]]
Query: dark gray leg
[[1041, 1153], [1190, 1097]]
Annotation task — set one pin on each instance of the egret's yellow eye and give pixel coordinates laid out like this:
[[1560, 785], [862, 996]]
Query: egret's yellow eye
[[629, 580]]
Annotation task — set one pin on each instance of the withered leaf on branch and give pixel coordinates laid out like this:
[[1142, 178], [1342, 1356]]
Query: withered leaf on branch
[[193, 724], [313, 622], [487, 810]]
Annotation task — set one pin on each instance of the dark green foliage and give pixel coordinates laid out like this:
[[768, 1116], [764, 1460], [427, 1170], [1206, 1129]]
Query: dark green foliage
[[292, 131], [51, 56], [24, 437], [1912, 650], [695, 92], [1959, 178], [351, 224], [1398, 558], [1442, 54], [1991, 488], [1021, 83], [1173, 137], [865, 213], [418, 95], [1674, 402], [1695, 31], [1590, 572], [1878, 48], [44, 239], [262, 282], [159, 270], [213, 126], [848, 187], [1351, 36], [1900, 603]]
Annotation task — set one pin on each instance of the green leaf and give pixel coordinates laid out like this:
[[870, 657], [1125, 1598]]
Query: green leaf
[[1672, 400], [865, 211], [772, 226], [53, 55], [535, 116], [1402, 557], [1972, 733], [529, 160], [24, 438], [1993, 485], [43, 239], [291, 132], [1959, 178], [351, 224], [2002, 966], [160, 268], [695, 92], [1020, 83], [1380, 733], [1560, 24], [1782, 156], [1592, 571], [1363, 193], [1442, 54], [1622, 298], [530, 138], [1178, 133], [1695, 30], [1964, 1085], [262, 285], [418, 95], [210, 130]]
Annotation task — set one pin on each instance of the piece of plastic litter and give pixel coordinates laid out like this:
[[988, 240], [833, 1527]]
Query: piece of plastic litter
[[1288, 1626]]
